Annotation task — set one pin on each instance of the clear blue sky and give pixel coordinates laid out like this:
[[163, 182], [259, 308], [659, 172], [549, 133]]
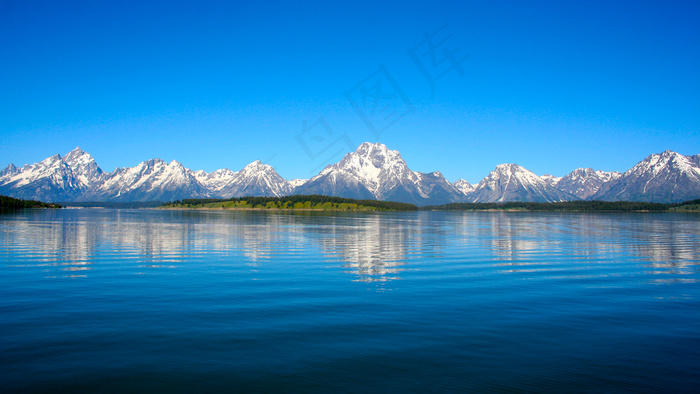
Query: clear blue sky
[[551, 85]]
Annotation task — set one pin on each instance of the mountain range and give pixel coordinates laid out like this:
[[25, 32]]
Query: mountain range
[[371, 172]]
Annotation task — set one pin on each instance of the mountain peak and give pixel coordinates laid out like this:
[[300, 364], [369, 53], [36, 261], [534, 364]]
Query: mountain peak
[[51, 159], [153, 162], [369, 149], [259, 166], [463, 186], [257, 178], [372, 165], [585, 182], [377, 172], [78, 155], [9, 170], [663, 177], [664, 156], [512, 182], [371, 145], [508, 169], [372, 171]]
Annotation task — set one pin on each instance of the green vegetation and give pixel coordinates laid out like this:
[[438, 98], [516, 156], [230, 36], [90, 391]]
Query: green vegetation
[[314, 202], [9, 203], [688, 206], [326, 203], [571, 206]]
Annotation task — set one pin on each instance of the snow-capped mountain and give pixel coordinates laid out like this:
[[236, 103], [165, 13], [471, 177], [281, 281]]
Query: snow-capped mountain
[[10, 170], [152, 180], [256, 179], [663, 177], [156, 180], [53, 179], [551, 180], [77, 177], [371, 172], [463, 186], [298, 182], [84, 167], [511, 182], [585, 182], [436, 188], [215, 180], [375, 172]]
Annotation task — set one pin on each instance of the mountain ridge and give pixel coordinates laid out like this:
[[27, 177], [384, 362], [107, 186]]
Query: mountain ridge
[[511, 182], [662, 177], [372, 171]]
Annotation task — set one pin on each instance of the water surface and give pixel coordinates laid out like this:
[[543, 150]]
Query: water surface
[[100, 300]]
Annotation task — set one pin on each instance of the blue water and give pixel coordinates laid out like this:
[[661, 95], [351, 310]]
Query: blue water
[[96, 300]]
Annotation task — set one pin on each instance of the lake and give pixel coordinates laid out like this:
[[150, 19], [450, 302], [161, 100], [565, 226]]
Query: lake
[[99, 300]]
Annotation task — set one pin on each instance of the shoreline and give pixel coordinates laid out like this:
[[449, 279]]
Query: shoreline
[[420, 210]]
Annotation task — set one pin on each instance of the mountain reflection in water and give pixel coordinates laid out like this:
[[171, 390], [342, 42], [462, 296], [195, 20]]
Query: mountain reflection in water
[[373, 247], [95, 300]]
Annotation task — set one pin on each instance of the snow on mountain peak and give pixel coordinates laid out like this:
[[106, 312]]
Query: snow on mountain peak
[[662, 177], [256, 178], [512, 182], [51, 160], [297, 182], [509, 170], [76, 152], [257, 165], [367, 147], [83, 166], [463, 186], [11, 169], [371, 171], [374, 166], [375, 171], [585, 182], [551, 180], [659, 162]]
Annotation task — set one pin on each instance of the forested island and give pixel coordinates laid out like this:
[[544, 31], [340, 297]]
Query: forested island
[[295, 202], [571, 206], [10, 204]]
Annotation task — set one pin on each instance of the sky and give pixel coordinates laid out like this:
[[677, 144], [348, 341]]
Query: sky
[[455, 86]]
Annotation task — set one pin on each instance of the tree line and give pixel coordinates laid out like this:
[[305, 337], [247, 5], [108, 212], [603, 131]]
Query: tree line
[[293, 202], [10, 203], [565, 206]]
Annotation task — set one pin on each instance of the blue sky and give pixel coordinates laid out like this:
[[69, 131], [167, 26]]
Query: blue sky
[[551, 86]]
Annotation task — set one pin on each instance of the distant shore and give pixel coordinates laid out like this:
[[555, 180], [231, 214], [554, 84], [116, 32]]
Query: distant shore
[[572, 206], [322, 203], [315, 203]]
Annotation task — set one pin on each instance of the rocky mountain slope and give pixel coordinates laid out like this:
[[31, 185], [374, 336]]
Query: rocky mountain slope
[[77, 177], [373, 171], [584, 182], [511, 182], [664, 177]]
